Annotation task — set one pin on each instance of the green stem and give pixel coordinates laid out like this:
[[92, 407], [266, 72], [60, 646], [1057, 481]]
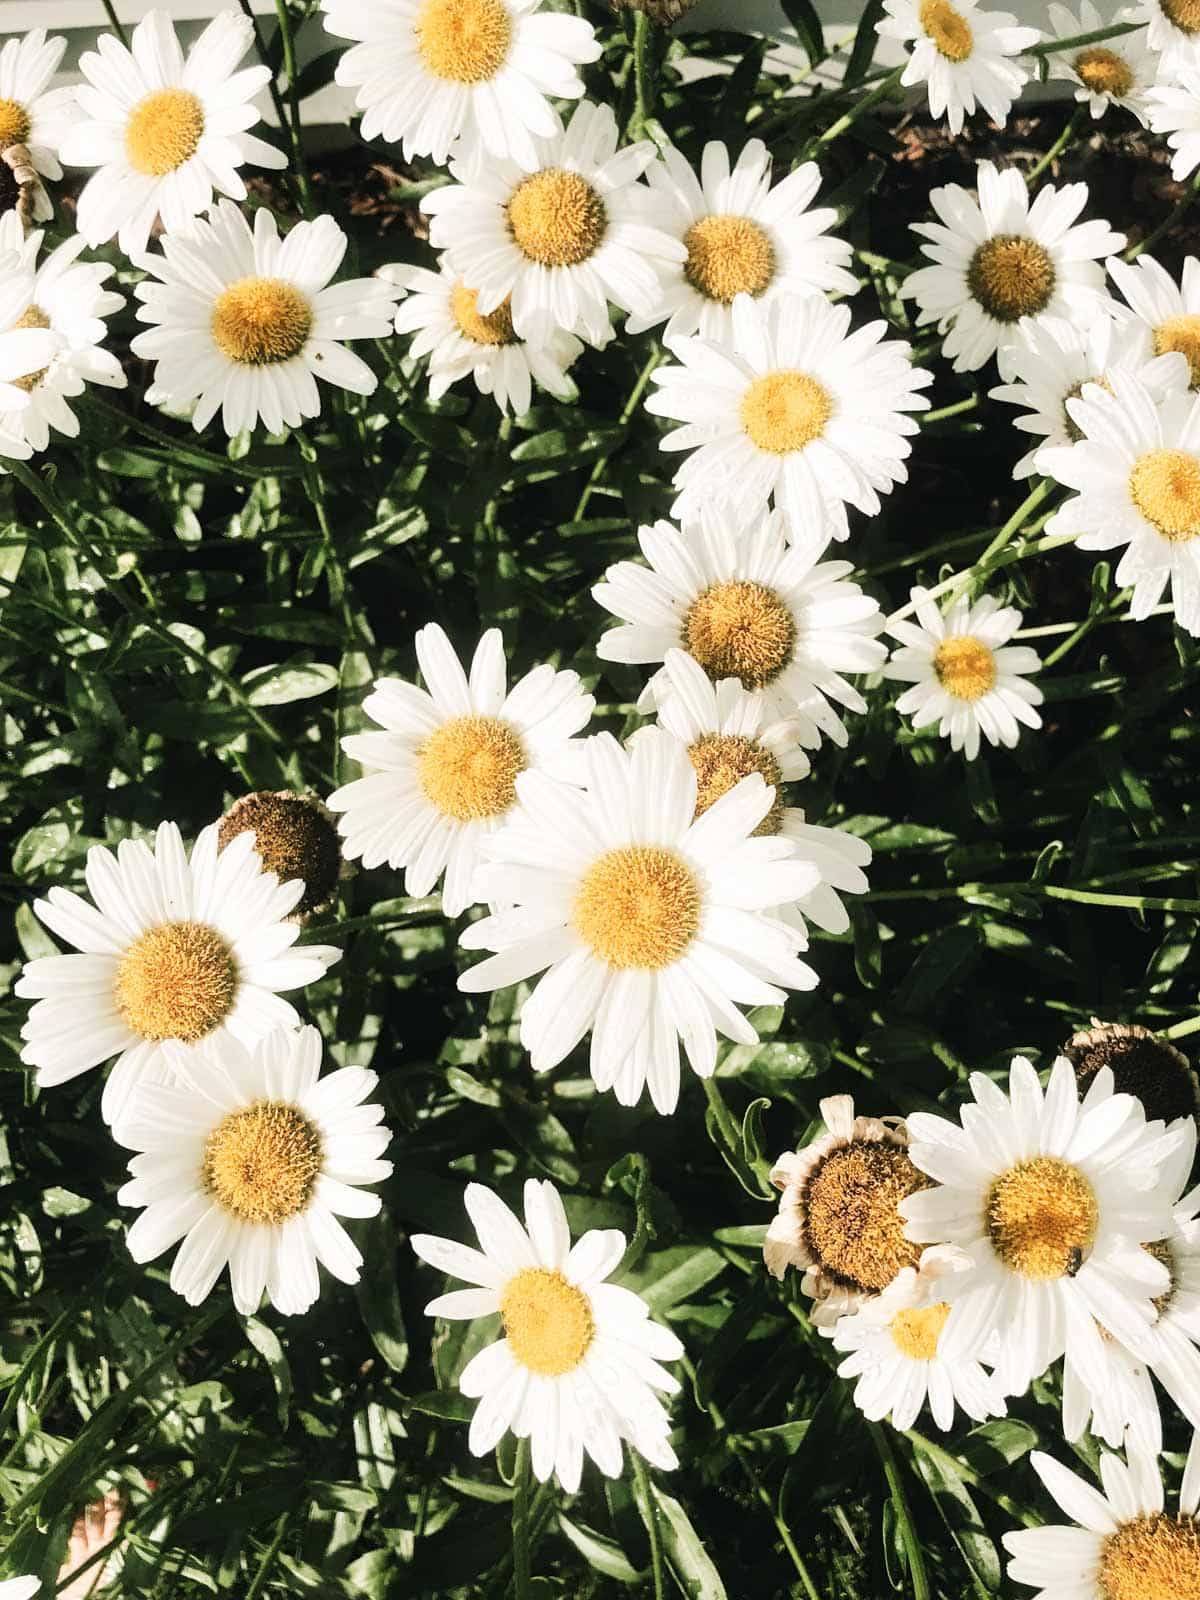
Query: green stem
[[1052, 891], [182, 450], [1070, 129], [867, 103], [258, 1582], [908, 1534], [1168, 222], [642, 1479], [643, 76], [1180, 1030], [522, 1576], [292, 120], [956, 410], [114, 21], [630, 407], [1052, 46]]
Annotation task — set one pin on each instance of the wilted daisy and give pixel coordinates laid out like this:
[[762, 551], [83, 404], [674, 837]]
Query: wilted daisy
[[1052, 1200], [651, 925], [1053, 361], [66, 297], [576, 1368], [559, 242], [245, 323], [745, 605], [1141, 1063], [741, 236], [442, 771], [1165, 313], [461, 341], [1137, 470], [1116, 72], [965, 674], [896, 1357], [796, 407], [729, 735], [250, 1158], [1000, 260], [1173, 32], [430, 72], [1174, 109], [32, 114], [175, 948], [839, 1218], [1124, 1544], [165, 130], [963, 54], [296, 837]]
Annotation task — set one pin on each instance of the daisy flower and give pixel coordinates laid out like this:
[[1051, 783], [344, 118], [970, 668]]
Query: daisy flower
[[966, 676], [558, 241], [728, 736], [442, 771], [741, 236], [745, 605], [250, 1158], [577, 1367], [1000, 261], [1112, 72], [32, 114], [1055, 359], [67, 298], [1124, 1544], [164, 131], [650, 925], [1137, 470], [19, 1588], [27, 349], [1174, 109], [296, 837], [796, 407], [245, 323], [964, 55], [1141, 1063], [1052, 1200], [483, 72], [894, 1344], [1174, 33], [461, 341], [1164, 312], [175, 948], [839, 1220]]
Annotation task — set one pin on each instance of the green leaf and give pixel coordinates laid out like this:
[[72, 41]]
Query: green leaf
[[866, 38], [378, 1295], [277, 686], [266, 1341], [603, 1555], [687, 1557], [802, 15]]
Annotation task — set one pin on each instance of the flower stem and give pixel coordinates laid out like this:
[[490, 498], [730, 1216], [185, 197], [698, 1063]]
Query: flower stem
[[1168, 222], [867, 103], [114, 21], [1070, 129], [292, 120], [522, 1576], [642, 1479], [643, 76], [908, 1534], [1098, 35]]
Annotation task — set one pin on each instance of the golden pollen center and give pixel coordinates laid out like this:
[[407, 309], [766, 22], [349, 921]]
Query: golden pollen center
[[739, 629], [15, 124], [176, 981], [948, 28], [1185, 14], [638, 907], [1161, 1250], [1104, 72], [965, 667], [785, 411], [31, 317], [556, 218], [469, 767], [1011, 277], [259, 321], [853, 1225], [1154, 1557], [547, 1321], [164, 130], [1165, 487], [463, 41], [261, 1164], [493, 328], [722, 760], [728, 256], [1042, 1216], [915, 1333], [1182, 334]]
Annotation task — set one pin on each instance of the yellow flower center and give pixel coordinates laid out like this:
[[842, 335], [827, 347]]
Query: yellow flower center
[[1161, 1250], [915, 1333], [1181, 333], [261, 1164], [1104, 72], [1185, 14], [164, 130], [1011, 277], [722, 760], [948, 28], [1042, 1216], [493, 328], [31, 317], [176, 981], [556, 218], [15, 124], [739, 629], [853, 1225], [1165, 487], [1154, 1557], [965, 667], [259, 321], [547, 1321], [785, 411], [463, 41], [294, 838], [728, 256], [638, 907], [469, 767]]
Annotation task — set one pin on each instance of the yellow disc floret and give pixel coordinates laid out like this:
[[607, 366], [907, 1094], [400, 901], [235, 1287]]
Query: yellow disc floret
[[852, 1222], [469, 767], [547, 1321], [965, 666], [1185, 14], [638, 907], [557, 218], [261, 1164], [916, 1331], [1165, 487], [463, 41], [948, 28], [1042, 1216], [785, 411], [15, 123], [1153, 1557], [722, 760], [176, 981], [728, 256], [259, 321], [1104, 71], [740, 629], [31, 317], [492, 327], [1181, 334], [1011, 277], [164, 130]]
